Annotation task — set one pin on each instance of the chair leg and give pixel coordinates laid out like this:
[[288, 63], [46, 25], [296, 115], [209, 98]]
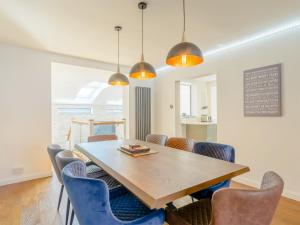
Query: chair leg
[[72, 217], [171, 206], [68, 211], [193, 200], [60, 196]]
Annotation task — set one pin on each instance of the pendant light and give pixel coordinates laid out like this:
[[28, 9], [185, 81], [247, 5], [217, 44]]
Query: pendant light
[[118, 79], [184, 54], [142, 70]]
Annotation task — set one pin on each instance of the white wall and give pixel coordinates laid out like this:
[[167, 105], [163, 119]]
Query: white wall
[[25, 109], [25, 95], [263, 143]]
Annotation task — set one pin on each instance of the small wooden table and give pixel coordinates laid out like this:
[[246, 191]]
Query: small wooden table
[[160, 178]]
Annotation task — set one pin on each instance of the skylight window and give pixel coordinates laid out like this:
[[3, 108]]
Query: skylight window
[[90, 91], [85, 92]]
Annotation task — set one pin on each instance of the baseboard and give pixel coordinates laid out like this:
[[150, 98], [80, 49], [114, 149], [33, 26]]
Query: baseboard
[[286, 193], [25, 178]]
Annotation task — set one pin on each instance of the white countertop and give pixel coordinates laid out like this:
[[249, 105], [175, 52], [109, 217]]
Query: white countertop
[[196, 121]]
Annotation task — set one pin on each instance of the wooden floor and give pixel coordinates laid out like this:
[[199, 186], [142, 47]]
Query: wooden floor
[[34, 203]]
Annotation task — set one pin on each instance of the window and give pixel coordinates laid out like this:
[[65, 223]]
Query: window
[[213, 102], [185, 99], [76, 110], [90, 91]]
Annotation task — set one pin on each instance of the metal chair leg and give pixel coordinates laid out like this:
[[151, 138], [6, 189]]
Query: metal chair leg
[[60, 196], [68, 211], [193, 200], [171, 206], [72, 217]]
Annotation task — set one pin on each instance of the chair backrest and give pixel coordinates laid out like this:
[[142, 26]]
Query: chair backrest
[[89, 197], [248, 207], [180, 143], [215, 150], [159, 139], [64, 158], [53, 150], [104, 137]]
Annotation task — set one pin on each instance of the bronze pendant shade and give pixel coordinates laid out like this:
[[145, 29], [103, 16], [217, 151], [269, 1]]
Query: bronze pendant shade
[[142, 70], [184, 54], [118, 79]]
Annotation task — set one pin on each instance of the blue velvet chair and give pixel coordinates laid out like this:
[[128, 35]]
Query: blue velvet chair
[[65, 157], [218, 151], [53, 150], [95, 204]]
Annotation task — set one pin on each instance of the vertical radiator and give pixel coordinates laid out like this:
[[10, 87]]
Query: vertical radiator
[[142, 112]]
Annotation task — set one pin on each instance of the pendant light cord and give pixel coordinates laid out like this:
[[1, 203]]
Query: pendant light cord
[[183, 15], [142, 58], [118, 50], [183, 34]]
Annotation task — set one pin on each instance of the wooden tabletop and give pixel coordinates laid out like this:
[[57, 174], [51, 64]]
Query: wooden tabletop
[[160, 178]]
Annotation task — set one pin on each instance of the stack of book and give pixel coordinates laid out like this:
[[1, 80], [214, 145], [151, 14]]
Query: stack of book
[[135, 149]]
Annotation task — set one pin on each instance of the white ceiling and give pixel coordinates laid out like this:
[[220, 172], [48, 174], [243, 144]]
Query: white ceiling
[[84, 28]]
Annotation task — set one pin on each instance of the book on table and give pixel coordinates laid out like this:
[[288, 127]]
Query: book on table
[[135, 149]]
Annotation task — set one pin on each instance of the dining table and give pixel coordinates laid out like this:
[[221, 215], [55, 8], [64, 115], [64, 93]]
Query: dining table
[[162, 177]]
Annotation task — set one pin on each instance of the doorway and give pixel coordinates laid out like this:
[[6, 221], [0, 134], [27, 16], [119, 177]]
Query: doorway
[[196, 108], [81, 95]]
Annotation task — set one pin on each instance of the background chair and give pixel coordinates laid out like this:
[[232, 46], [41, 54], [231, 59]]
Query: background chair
[[94, 204], [233, 206], [185, 144], [62, 159], [217, 151], [157, 139], [53, 150], [104, 137], [99, 172]]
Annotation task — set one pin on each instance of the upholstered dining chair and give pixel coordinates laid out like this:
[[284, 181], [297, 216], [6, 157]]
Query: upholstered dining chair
[[98, 138], [159, 139], [53, 149], [62, 159], [93, 170], [102, 173], [217, 151], [65, 157], [185, 144], [95, 204], [104, 137], [233, 206]]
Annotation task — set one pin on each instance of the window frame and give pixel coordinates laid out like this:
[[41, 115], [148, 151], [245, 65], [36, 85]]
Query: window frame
[[190, 97]]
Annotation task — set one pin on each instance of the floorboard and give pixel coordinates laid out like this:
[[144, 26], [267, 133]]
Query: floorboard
[[34, 203]]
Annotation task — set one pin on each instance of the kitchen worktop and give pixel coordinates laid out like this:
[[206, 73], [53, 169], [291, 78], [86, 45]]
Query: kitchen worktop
[[196, 121], [194, 128]]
